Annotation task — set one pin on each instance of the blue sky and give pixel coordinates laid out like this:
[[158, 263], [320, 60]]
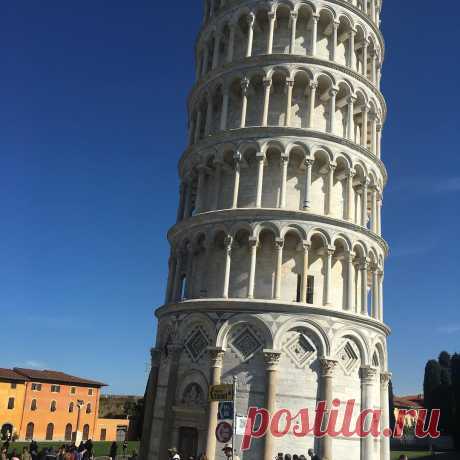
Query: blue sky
[[92, 125]]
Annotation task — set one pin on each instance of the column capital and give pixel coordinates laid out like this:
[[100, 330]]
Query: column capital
[[332, 166], [313, 85], [306, 245], [315, 17], [267, 82], [333, 92], [289, 82], [228, 243], [272, 359], [351, 256], [379, 127], [251, 17], [385, 378], [351, 99], [271, 15], [330, 250], [279, 243], [368, 374], [237, 157], [309, 162], [284, 159], [327, 367], [244, 84], [253, 241], [216, 356], [294, 15], [364, 265], [336, 24], [352, 173], [260, 156]]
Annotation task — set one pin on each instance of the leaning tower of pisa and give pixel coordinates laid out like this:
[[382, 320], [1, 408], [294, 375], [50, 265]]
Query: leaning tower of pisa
[[277, 259]]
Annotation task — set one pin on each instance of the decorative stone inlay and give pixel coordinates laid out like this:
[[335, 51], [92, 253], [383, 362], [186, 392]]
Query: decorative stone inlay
[[300, 349], [193, 396], [246, 344], [348, 357], [196, 344]]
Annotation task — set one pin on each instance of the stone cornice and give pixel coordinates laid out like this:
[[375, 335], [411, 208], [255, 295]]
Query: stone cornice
[[260, 132], [277, 59], [229, 11], [263, 215], [267, 306]]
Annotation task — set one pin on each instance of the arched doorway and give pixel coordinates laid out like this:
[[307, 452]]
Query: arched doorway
[[30, 431], [68, 432], [49, 432], [7, 431], [188, 442]]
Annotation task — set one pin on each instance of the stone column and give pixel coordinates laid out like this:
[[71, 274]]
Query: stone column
[[244, 103], [216, 356], [267, 87], [328, 277], [352, 49], [364, 306], [333, 94], [279, 244], [200, 189], [351, 113], [374, 134], [176, 294], [236, 183], [215, 58], [253, 245], [171, 272], [311, 106], [308, 172], [350, 282], [385, 378], [199, 116], [327, 384], [368, 375], [189, 271], [330, 187], [335, 27], [374, 67], [272, 359], [293, 31], [217, 182], [205, 60], [379, 140], [364, 215], [271, 31], [379, 213], [365, 48], [374, 219], [373, 10], [224, 113], [260, 178], [204, 281], [150, 399], [289, 87], [315, 19], [284, 167], [375, 294], [180, 209], [364, 130], [251, 19], [306, 250], [350, 195], [188, 199], [231, 43], [380, 280], [228, 243], [174, 352]]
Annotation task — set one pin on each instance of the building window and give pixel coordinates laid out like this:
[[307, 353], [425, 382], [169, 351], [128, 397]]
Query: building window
[[55, 388], [85, 432], [71, 407], [29, 431], [103, 434], [68, 432], [49, 432], [73, 390], [33, 405], [88, 408], [53, 406], [90, 392], [36, 387], [13, 386], [10, 403]]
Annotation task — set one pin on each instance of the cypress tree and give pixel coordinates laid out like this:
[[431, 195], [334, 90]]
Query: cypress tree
[[392, 406], [431, 383], [456, 394], [445, 363]]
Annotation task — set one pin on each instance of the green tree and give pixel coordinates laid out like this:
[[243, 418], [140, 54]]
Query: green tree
[[431, 383], [456, 396], [392, 405], [444, 361]]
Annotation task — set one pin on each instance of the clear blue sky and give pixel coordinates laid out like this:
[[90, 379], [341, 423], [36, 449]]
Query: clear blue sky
[[92, 125]]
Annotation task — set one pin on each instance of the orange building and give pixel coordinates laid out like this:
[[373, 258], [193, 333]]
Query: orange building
[[53, 406]]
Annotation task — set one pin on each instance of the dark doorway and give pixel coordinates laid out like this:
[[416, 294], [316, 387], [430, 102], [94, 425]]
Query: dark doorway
[[188, 442], [7, 431]]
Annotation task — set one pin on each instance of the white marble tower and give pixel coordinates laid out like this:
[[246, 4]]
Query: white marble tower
[[277, 259]]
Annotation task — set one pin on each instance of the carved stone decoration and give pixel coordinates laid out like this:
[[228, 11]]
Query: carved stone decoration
[[272, 359], [328, 367], [348, 357], [300, 350], [246, 344], [216, 356], [385, 378], [193, 396], [196, 344], [368, 374]]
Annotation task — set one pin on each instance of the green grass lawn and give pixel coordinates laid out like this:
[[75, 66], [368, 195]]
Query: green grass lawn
[[425, 456], [100, 447]]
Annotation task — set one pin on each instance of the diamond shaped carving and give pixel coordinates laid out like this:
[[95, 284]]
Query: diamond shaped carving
[[196, 344], [348, 357], [246, 344], [300, 350]]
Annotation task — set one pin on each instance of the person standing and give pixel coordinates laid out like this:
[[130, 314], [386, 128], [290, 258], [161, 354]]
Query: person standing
[[113, 450], [311, 453]]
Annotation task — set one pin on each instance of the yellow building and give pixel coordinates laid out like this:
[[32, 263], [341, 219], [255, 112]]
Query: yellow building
[[12, 395]]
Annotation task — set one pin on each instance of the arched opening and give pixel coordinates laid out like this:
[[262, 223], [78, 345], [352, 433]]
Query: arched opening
[[248, 183], [278, 100], [255, 105], [68, 432], [339, 275], [321, 111], [272, 179], [296, 176], [317, 268], [304, 31], [29, 431], [282, 35], [300, 100], [49, 432], [85, 432], [265, 267], [319, 183], [324, 44], [239, 274], [292, 268], [261, 29]]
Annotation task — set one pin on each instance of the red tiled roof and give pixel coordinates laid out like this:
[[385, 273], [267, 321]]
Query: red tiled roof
[[9, 374], [409, 402], [55, 376]]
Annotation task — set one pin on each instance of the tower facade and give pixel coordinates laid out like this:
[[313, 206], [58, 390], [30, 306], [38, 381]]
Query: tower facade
[[277, 259]]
